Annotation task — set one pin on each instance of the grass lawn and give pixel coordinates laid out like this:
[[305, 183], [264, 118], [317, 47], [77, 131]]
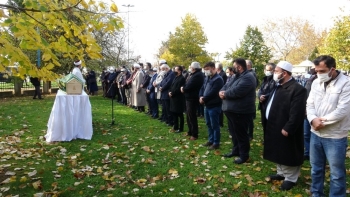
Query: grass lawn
[[138, 156]]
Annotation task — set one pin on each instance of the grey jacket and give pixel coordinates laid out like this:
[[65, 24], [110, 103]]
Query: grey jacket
[[240, 94]]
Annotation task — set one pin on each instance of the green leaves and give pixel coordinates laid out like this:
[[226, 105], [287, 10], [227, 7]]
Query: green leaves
[[187, 43], [59, 28]]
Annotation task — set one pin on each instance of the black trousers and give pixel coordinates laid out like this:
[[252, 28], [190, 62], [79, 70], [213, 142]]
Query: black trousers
[[123, 96], [37, 92], [238, 125], [221, 119], [178, 116], [191, 117], [148, 102], [251, 126], [168, 117]]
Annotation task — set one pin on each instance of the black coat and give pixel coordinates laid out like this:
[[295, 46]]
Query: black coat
[[240, 94], [166, 83], [193, 84], [287, 112], [177, 100], [210, 91], [267, 86], [223, 76], [35, 81]]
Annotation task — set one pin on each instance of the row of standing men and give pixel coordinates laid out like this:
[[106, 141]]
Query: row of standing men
[[282, 102]]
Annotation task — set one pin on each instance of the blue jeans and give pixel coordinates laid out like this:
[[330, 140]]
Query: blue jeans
[[212, 119], [307, 133], [333, 151]]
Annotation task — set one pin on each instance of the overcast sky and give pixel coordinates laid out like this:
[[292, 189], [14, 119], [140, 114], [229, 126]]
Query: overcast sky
[[224, 21]]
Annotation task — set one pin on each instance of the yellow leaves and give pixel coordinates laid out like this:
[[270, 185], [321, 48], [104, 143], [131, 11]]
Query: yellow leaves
[[99, 170], [173, 173], [199, 180], [236, 186], [84, 4], [2, 14], [46, 57], [102, 5], [114, 8], [37, 185], [23, 179]]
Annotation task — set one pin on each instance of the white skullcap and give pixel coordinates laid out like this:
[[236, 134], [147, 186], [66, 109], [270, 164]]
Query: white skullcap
[[285, 66], [77, 63], [165, 66], [162, 62], [195, 65], [136, 65]]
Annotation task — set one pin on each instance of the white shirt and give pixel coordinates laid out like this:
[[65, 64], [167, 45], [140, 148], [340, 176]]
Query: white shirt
[[269, 105], [76, 71]]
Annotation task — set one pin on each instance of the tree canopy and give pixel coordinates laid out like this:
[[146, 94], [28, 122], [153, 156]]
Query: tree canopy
[[291, 39], [252, 47], [187, 44], [59, 29], [337, 42]]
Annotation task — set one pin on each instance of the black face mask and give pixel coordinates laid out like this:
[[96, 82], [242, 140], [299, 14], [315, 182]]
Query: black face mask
[[312, 71]]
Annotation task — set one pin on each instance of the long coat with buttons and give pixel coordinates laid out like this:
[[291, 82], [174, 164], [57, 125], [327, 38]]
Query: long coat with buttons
[[177, 100], [287, 112]]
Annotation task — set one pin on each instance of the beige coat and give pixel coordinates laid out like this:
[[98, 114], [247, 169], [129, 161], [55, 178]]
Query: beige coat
[[138, 93]]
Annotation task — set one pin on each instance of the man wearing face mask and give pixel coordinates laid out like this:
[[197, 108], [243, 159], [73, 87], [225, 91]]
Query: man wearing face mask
[[328, 108], [191, 90], [164, 87], [230, 74], [177, 100], [267, 86], [238, 103], [283, 139], [223, 75], [209, 97], [145, 82]]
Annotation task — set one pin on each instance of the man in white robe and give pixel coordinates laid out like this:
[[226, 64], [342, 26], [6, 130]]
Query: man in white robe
[[77, 72]]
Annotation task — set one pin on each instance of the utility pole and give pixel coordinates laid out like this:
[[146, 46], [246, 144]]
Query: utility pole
[[128, 6]]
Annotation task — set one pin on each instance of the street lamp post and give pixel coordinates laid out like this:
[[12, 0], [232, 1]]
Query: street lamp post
[[128, 6]]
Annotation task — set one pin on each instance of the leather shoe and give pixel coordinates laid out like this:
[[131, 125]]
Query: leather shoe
[[229, 155], [214, 147], [287, 185], [178, 131], [208, 144], [193, 138], [240, 161], [276, 177]]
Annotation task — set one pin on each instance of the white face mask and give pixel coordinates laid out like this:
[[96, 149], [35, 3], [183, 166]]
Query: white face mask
[[268, 73], [275, 77], [207, 72], [228, 74], [324, 77], [163, 72]]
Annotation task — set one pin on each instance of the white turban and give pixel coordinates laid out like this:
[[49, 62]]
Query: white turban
[[77, 63], [137, 65]]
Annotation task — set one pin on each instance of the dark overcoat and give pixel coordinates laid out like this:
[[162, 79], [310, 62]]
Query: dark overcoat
[[287, 112], [177, 101]]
